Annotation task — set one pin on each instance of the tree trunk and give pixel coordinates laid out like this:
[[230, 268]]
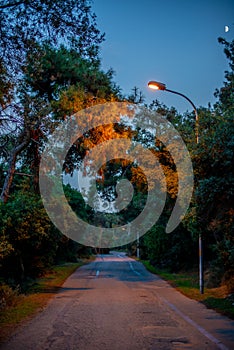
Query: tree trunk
[[36, 160], [11, 167], [21, 265]]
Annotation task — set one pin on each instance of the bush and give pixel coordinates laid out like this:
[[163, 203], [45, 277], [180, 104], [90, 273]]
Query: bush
[[213, 276], [228, 280], [8, 296], [27, 247], [174, 251]]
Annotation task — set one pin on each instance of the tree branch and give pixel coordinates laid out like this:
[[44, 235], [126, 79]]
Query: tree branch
[[16, 3], [23, 174], [11, 166]]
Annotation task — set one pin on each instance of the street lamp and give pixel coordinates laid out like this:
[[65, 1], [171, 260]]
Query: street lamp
[[155, 85]]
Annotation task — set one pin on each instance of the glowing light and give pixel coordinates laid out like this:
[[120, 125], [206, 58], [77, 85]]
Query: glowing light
[[155, 85]]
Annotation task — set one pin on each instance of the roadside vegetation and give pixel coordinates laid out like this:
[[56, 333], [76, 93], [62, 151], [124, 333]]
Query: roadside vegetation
[[16, 307], [187, 283], [50, 71]]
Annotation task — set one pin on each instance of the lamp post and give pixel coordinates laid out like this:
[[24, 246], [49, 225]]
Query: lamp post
[[160, 86], [138, 246]]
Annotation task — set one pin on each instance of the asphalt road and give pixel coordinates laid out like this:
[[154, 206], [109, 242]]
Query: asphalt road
[[113, 303]]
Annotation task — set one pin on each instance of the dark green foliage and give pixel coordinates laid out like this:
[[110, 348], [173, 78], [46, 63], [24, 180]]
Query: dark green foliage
[[211, 211], [41, 83], [57, 81], [56, 70], [226, 93], [29, 241], [173, 251], [5, 86], [77, 203], [24, 227], [213, 159], [27, 23]]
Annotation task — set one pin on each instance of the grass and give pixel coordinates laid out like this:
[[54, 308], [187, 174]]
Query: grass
[[187, 283], [38, 295]]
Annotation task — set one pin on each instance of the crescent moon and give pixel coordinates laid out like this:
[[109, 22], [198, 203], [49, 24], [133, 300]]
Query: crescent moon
[[226, 29]]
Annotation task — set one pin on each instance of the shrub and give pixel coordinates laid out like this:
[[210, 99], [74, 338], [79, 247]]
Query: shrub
[[8, 296]]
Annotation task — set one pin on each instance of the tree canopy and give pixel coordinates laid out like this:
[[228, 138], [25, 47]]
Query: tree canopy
[[49, 70], [29, 23]]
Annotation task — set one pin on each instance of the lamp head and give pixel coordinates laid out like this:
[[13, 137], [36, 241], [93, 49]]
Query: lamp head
[[155, 85]]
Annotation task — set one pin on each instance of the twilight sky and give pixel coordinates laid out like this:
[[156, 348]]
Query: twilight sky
[[171, 41]]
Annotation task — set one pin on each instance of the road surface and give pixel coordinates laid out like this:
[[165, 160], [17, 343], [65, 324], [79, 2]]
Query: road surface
[[113, 303]]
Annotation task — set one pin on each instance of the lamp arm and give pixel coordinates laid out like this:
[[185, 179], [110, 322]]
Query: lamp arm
[[194, 108]]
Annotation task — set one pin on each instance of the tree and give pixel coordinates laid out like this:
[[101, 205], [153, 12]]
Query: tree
[[25, 231], [5, 87], [213, 157], [61, 70], [44, 69], [25, 24], [226, 93]]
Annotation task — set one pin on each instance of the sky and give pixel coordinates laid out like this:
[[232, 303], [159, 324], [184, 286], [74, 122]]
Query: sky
[[171, 41]]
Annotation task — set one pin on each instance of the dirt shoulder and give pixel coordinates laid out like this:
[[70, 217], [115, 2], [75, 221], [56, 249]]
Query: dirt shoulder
[[25, 306]]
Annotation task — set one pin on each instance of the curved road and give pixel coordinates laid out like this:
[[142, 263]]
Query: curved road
[[113, 303]]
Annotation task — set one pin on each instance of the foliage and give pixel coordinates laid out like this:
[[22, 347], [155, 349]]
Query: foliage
[[8, 296], [186, 282], [42, 83], [226, 93], [17, 308], [5, 86], [34, 72], [58, 69], [174, 251], [48, 93], [27, 23], [29, 241], [25, 230], [212, 208]]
